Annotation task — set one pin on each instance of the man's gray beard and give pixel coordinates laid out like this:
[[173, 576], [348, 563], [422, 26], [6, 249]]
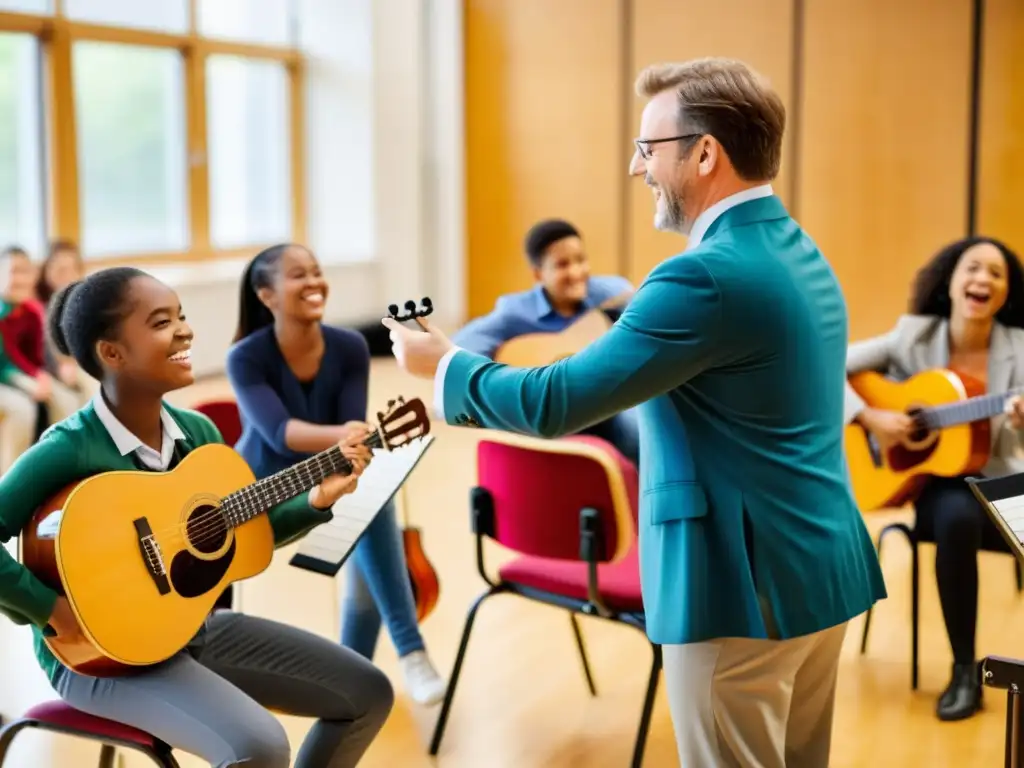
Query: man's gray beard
[[671, 218]]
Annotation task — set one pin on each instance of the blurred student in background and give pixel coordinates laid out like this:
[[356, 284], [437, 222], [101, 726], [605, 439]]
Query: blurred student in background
[[25, 385]]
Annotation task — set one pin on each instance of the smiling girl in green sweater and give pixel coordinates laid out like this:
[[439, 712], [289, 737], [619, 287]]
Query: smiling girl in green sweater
[[127, 330]]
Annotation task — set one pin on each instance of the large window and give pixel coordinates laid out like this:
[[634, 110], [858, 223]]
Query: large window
[[130, 121], [143, 133], [22, 169], [27, 6], [161, 15], [248, 141], [251, 21]]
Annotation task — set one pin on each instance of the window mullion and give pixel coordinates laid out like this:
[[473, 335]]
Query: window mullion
[[63, 148], [198, 167]]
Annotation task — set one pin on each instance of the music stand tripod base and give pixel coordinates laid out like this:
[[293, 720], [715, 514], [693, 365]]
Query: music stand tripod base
[[1008, 675]]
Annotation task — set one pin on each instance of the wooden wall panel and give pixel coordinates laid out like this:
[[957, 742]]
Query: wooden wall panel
[[544, 84], [884, 142], [758, 31], [1001, 130]]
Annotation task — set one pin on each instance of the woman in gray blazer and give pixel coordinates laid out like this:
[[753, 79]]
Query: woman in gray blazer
[[966, 314]]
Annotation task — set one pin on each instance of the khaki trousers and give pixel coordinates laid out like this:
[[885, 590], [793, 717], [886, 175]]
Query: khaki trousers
[[18, 414], [743, 703]]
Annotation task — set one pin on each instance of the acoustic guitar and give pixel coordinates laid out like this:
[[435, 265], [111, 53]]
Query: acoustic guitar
[[426, 586], [952, 434], [537, 349], [142, 556]]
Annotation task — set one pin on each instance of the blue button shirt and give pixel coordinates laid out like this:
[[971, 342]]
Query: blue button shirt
[[517, 314]]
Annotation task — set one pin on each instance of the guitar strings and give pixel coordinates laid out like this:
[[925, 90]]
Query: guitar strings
[[209, 525], [247, 495]]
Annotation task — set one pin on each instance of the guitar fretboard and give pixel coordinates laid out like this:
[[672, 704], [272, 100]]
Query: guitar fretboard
[[326, 548], [974, 409], [255, 499]]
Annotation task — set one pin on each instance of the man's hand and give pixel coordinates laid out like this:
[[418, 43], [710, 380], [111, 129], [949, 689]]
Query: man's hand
[[418, 352]]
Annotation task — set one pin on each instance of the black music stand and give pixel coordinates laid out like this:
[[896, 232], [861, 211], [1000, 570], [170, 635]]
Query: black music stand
[[1003, 499], [1008, 675]]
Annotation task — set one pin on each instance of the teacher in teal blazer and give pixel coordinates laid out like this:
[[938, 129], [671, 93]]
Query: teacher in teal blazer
[[753, 555]]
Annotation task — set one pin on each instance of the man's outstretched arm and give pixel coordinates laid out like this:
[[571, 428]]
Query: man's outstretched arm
[[668, 334]]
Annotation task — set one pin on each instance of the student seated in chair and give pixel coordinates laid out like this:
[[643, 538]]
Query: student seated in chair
[[25, 384], [564, 291]]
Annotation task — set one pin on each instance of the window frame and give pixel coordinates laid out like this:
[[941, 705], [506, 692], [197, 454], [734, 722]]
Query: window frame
[[57, 35]]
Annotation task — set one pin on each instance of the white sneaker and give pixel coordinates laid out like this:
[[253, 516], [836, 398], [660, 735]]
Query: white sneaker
[[422, 682]]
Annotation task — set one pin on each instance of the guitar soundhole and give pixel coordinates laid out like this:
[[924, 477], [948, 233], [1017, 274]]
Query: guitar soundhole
[[920, 433], [917, 446], [207, 530]]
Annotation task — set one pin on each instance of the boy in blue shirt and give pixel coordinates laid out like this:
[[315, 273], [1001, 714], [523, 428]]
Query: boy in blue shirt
[[564, 291]]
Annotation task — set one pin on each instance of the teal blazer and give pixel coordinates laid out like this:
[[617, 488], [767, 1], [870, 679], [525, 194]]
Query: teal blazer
[[735, 353]]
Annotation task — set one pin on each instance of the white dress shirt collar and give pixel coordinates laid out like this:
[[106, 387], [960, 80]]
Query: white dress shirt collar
[[706, 219], [128, 443]]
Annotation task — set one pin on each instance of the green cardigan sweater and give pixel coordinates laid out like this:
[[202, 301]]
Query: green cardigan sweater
[[74, 449]]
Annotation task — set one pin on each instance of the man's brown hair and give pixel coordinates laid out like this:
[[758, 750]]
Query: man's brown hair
[[730, 101]]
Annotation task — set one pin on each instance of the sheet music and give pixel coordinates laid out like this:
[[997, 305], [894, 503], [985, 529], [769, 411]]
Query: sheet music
[[326, 547], [1011, 510]]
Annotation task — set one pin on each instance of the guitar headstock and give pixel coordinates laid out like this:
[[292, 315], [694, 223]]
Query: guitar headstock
[[402, 422], [412, 312]]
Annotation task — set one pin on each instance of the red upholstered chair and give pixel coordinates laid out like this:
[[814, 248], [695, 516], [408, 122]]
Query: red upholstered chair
[[58, 717], [568, 508], [225, 416]]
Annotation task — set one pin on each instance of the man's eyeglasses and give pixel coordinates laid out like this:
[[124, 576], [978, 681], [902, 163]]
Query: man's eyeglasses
[[643, 146]]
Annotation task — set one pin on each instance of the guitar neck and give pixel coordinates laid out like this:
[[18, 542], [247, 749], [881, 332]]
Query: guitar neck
[[246, 503], [971, 410]]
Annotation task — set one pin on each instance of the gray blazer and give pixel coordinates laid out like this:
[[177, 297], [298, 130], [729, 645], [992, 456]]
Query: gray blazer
[[918, 343]]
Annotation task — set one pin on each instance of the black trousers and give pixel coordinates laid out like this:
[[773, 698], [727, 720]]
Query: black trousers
[[950, 515]]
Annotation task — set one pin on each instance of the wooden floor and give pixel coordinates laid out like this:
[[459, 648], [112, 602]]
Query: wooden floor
[[523, 702]]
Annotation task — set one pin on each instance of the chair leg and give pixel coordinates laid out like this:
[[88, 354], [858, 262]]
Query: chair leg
[[164, 758], [645, 714], [915, 612], [583, 654], [442, 720], [7, 734], [1019, 576], [878, 549], [107, 756]]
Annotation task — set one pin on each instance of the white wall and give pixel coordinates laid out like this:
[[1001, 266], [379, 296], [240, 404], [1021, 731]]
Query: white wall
[[384, 148]]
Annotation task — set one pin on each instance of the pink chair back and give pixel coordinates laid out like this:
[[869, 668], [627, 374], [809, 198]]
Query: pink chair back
[[225, 416], [539, 487]]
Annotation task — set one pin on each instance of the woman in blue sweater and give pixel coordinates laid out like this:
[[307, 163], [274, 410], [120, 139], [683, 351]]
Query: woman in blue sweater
[[301, 385]]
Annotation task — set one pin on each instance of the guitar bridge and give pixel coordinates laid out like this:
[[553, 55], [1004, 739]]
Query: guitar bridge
[[152, 556]]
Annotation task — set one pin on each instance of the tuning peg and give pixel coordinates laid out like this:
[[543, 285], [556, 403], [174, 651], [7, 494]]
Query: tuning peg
[[412, 312]]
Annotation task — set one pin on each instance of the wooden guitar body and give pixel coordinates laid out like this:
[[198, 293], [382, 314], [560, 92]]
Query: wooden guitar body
[[533, 349], [143, 556], [426, 588], [893, 477]]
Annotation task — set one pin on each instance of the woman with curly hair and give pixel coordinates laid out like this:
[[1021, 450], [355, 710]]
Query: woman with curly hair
[[966, 315]]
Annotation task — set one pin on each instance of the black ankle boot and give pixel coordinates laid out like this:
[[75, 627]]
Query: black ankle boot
[[962, 698]]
